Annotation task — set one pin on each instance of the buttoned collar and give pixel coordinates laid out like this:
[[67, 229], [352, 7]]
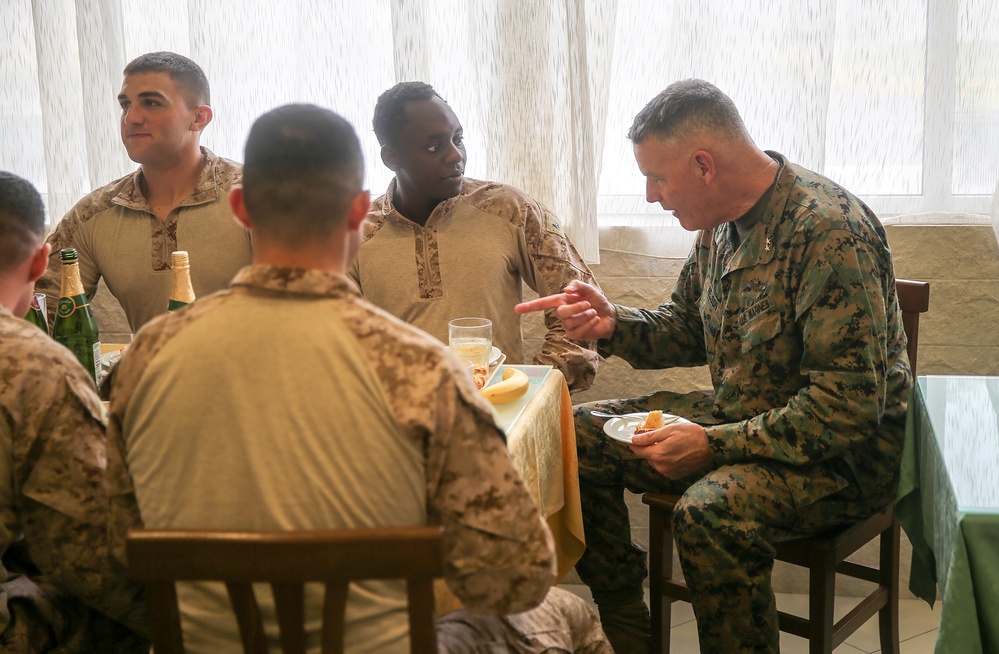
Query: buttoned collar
[[205, 190], [389, 211]]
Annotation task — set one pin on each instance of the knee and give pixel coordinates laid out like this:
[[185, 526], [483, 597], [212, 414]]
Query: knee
[[698, 518]]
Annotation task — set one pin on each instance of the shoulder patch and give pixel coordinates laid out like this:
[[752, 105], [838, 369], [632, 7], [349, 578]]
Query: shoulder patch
[[553, 225]]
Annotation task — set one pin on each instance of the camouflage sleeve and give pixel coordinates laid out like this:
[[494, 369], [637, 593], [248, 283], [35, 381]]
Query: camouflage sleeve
[[670, 336], [554, 263], [499, 552], [65, 235], [840, 309], [60, 480]]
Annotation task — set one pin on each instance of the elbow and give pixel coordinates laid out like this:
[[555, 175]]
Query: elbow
[[506, 580], [502, 592]]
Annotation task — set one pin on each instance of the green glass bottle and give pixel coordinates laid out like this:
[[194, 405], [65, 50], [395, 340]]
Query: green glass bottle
[[182, 293], [36, 313], [74, 325]]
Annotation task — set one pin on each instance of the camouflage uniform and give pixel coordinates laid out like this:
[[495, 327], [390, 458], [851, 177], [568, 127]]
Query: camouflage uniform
[[374, 421], [428, 275], [802, 334], [118, 237], [61, 575]]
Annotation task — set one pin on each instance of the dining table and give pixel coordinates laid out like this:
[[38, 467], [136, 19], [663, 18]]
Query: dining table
[[541, 437], [948, 505]]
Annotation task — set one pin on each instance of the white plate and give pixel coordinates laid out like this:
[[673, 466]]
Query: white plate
[[109, 359], [622, 429], [494, 366], [494, 356]]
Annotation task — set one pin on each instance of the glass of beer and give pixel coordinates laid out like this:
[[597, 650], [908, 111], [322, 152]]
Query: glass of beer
[[471, 339]]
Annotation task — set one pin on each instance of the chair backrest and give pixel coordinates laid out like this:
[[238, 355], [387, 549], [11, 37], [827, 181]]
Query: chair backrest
[[287, 560], [913, 299]]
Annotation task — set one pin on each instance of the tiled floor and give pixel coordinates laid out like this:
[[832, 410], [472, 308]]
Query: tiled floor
[[917, 626]]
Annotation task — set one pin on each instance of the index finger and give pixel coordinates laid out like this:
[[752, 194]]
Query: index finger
[[547, 302]]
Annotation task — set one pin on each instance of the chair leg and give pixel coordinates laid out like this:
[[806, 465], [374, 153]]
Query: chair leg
[[888, 616], [821, 601], [660, 567]]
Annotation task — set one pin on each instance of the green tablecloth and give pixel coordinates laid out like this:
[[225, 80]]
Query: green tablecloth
[[949, 506]]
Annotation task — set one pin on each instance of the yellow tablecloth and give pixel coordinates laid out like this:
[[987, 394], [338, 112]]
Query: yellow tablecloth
[[541, 437], [543, 444]]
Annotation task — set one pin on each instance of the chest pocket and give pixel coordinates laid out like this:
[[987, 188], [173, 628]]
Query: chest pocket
[[759, 329]]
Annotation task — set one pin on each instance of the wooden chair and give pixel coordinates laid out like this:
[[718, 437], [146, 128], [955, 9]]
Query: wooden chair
[[824, 554], [286, 559]]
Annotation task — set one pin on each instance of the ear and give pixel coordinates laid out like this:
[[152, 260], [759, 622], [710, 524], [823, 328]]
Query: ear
[[358, 210], [202, 116], [390, 158], [238, 206], [703, 164], [39, 262]]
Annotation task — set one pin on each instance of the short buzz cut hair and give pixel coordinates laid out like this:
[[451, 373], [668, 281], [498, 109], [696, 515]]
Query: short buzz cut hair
[[184, 72], [685, 108], [390, 109], [302, 168], [22, 220]]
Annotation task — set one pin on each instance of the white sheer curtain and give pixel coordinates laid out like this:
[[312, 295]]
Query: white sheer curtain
[[896, 99]]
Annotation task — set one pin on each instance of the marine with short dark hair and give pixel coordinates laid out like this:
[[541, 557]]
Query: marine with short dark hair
[[124, 232], [439, 246]]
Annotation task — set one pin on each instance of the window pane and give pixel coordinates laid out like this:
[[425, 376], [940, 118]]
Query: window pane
[[976, 124], [836, 86], [874, 137]]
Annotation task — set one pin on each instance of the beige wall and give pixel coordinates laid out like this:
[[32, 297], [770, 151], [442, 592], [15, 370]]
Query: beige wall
[[959, 335]]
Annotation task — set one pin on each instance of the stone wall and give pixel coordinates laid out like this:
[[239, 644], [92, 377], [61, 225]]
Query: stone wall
[[959, 334]]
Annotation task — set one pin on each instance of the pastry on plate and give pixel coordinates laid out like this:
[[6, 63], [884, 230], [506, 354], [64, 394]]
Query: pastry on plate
[[652, 422]]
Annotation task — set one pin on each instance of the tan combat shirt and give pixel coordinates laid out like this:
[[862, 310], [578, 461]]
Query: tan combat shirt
[[288, 402], [119, 238], [53, 486], [470, 260]]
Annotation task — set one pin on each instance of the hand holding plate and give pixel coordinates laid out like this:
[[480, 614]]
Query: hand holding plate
[[676, 451]]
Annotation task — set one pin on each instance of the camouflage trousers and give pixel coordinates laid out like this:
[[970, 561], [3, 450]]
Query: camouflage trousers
[[723, 526], [40, 619], [561, 624]]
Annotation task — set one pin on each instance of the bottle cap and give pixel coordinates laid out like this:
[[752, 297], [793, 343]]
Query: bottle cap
[[68, 254], [179, 259]]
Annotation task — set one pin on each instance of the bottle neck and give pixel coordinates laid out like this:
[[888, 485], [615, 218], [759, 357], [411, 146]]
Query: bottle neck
[[182, 290], [71, 283]]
